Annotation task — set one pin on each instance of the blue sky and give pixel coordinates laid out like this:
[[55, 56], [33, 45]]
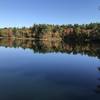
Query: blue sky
[[27, 12]]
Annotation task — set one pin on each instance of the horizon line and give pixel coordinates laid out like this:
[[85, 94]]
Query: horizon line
[[28, 26]]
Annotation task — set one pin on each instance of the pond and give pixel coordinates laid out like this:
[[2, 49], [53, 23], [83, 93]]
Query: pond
[[49, 70]]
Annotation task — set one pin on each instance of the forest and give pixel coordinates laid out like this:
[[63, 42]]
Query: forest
[[73, 33]]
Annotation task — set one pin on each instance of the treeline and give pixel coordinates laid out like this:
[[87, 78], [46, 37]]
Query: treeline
[[76, 32], [44, 46]]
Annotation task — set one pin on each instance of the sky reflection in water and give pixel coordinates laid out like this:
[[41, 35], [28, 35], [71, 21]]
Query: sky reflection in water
[[51, 76]]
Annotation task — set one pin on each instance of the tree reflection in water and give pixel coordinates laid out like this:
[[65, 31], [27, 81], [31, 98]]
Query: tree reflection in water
[[47, 46], [56, 46]]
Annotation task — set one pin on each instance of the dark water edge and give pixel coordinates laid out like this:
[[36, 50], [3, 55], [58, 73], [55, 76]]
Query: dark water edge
[[49, 70]]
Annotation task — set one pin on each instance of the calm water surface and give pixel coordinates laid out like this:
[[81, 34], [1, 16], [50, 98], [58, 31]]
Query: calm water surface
[[29, 75]]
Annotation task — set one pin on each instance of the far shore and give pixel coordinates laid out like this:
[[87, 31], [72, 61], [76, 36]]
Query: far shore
[[54, 39]]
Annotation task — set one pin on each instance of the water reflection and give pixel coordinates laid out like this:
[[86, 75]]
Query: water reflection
[[97, 90], [98, 68], [31, 70], [44, 46]]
